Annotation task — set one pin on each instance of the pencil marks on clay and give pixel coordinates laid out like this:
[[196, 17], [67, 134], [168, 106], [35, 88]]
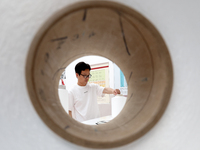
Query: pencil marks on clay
[[123, 35], [85, 14], [42, 95]]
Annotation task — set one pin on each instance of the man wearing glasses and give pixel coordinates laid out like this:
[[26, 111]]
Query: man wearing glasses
[[83, 96]]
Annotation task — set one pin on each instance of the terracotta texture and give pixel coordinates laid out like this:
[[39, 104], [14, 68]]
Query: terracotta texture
[[118, 33]]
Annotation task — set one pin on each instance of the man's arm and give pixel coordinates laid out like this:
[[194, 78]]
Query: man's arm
[[111, 91], [70, 113]]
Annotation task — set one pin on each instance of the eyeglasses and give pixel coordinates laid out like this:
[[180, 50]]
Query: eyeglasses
[[85, 76]]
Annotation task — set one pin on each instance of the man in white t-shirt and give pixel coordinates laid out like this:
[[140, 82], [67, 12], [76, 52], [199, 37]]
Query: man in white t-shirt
[[83, 97]]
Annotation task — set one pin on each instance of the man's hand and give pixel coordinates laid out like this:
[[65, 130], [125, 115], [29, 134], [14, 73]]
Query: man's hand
[[70, 113], [111, 91], [116, 91]]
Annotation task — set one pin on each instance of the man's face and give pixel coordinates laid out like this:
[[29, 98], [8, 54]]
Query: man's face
[[82, 81]]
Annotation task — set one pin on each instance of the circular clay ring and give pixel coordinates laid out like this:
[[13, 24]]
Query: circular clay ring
[[118, 33]]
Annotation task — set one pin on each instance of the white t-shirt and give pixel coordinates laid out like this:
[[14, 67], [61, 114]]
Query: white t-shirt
[[83, 101]]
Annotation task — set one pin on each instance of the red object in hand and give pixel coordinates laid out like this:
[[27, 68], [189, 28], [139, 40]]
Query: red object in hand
[[62, 82]]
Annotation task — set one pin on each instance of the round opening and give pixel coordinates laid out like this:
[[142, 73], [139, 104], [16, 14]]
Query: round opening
[[123, 36], [106, 74]]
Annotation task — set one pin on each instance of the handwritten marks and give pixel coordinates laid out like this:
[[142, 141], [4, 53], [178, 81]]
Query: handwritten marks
[[85, 14], [46, 57], [67, 127], [42, 95], [92, 34], [61, 40], [145, 79], [130, 76], [123, 35], [75, 37]]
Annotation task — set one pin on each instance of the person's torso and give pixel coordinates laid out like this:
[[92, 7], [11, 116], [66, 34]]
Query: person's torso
[[85, 102]]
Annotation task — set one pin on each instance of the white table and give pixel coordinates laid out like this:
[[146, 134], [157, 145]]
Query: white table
[[94, 121]]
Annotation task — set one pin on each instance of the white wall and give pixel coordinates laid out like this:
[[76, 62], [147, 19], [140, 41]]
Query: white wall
[[179, 24]]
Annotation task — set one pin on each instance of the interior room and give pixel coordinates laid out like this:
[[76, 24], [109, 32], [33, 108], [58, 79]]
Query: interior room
[[111, 76]]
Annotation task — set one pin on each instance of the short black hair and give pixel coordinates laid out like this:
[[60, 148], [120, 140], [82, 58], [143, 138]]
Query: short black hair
[[81, 66]]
